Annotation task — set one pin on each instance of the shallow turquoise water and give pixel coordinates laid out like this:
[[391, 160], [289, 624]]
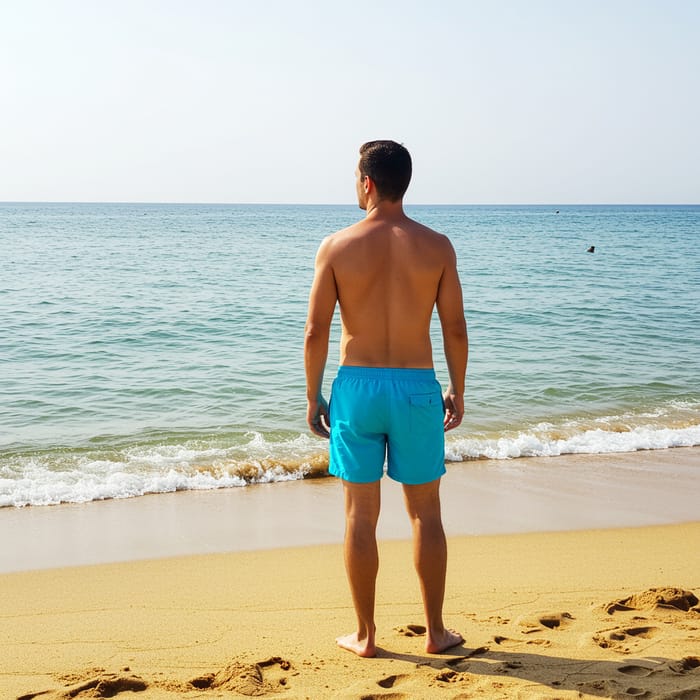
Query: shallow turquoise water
[[157, 347]]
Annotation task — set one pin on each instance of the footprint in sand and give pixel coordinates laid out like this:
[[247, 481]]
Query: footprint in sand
[[247, 679], [411, 630], [507, 642], [634, 670], [622, 639], [363, 692], [610, 688], [104, 685], [391, 681], [497, 619], [552, 621], [450, 676], [689, 663], [461, 663], [510, 666], [689, 694], [653, 598]]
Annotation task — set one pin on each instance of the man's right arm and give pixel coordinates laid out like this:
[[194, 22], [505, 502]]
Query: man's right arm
[[450, 307], [322, 301]]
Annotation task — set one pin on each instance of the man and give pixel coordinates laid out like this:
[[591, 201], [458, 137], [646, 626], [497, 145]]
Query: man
[[387, 273]]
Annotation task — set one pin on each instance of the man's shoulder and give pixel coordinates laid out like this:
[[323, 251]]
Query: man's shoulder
[[431, 236], [335, 243], [426, 230], [353, 230], [345, 235]]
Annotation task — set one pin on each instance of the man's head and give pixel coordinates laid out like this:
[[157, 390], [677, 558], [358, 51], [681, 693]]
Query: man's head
[[388, 165]]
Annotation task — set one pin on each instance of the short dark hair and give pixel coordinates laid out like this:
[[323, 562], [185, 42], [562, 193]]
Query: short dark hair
[[389, 166]]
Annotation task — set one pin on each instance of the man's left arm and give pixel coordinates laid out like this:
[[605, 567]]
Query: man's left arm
[[322, 301], [450, 308]]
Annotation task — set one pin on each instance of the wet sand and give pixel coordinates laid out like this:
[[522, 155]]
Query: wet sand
[[480, 497]]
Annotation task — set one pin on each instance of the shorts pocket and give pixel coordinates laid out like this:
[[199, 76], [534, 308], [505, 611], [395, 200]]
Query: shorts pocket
[[425, 409], [431, 399]]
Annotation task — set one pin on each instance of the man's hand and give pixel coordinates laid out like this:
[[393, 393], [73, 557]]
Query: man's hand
[[454, 409], [317, 417]]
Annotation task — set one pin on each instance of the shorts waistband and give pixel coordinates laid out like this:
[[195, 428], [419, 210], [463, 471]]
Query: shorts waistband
[[389, 373]]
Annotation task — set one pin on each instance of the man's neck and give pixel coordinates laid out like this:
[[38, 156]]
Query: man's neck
[[383, 208]]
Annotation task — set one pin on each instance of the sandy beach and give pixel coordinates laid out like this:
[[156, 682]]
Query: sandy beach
[[569, 578]]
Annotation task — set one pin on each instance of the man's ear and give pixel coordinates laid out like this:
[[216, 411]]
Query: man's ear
[[368, 184]]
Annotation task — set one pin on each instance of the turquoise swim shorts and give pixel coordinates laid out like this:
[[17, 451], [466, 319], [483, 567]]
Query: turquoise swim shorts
[[382, 415]]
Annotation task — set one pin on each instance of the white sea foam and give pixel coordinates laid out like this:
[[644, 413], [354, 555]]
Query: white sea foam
[[59, 478], [54, 478], [539, 443]]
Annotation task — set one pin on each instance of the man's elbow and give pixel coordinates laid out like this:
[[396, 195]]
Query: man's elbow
[[456, 330], [315, 332]]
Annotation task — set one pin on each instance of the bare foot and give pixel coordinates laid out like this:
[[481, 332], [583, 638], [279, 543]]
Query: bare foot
[[362, 647], [440, 642]]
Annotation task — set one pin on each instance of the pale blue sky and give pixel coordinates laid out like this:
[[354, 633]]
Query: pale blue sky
[[231, 101]]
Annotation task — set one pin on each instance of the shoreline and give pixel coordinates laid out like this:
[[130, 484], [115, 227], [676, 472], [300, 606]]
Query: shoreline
[[482, 497]]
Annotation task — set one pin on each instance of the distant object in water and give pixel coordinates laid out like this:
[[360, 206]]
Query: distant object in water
[[557, 211], [591, 249]]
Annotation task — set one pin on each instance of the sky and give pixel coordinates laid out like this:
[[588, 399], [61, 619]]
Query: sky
[[268, 101]]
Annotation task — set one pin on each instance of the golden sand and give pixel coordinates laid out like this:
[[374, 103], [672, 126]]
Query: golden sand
[[586, 614]]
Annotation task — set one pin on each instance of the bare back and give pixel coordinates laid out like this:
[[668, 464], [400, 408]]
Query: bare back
[[388, 275]]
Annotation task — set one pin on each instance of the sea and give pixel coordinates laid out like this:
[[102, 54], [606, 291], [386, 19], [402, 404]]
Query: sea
[[149, 348]]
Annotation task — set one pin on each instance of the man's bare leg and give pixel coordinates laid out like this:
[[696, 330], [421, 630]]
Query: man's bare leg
[[362, 503], [430, 558]]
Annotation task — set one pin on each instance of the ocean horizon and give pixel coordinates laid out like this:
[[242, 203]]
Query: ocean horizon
[[553, 205]]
